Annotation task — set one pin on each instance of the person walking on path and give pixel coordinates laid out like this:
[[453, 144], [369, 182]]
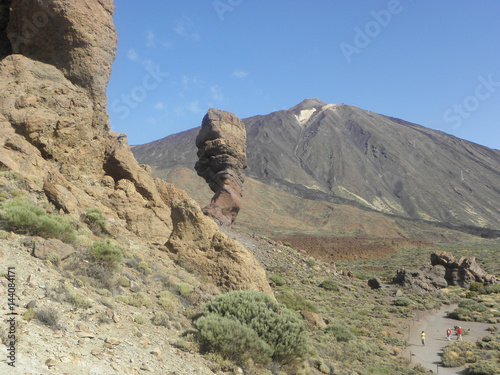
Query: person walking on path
[[422, 336], [448, 334], [459, 333]]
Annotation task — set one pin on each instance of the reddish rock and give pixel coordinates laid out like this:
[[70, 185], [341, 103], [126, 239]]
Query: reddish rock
[[222, 160]]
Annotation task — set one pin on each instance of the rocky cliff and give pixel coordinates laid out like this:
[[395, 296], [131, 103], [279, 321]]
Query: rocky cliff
[[54, 130]]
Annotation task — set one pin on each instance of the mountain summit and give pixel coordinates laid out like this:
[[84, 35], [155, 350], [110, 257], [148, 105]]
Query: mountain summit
[[344, 154]]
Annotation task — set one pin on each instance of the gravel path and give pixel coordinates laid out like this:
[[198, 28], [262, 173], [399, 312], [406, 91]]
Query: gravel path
[[435, 324]]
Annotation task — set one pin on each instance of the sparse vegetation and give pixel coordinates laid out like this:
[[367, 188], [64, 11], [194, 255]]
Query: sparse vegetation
[[330, 285], [23, 216], [48, 316], [106, 253], [96, 221], [248, 323], [137, 300], [278, 280], [483, 355]]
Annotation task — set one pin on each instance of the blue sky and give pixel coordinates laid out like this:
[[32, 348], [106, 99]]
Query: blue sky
[[435, 63]]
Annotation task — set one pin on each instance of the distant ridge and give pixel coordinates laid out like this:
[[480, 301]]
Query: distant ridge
[[344, 154]]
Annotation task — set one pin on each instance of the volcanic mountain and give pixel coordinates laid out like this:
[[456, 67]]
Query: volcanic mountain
[[345, 155]]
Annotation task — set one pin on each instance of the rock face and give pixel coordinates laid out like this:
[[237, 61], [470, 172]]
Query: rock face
[[221, 162], [462, 272], [76, 37], [54, 131], [444, 271], [198, 245]]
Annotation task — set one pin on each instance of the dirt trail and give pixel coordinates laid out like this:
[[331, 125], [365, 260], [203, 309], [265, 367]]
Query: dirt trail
[[435, 324]]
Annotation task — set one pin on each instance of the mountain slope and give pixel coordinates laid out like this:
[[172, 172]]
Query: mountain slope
[[343, 154]]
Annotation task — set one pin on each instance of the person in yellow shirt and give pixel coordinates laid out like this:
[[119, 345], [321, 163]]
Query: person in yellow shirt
[[422, 336]]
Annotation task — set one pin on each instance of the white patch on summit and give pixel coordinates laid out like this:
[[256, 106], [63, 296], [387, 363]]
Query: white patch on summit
[[305, 115]]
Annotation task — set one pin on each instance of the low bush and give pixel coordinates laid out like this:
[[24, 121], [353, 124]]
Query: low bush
[[21, 215], [160, 319], [49, 317], [233, 340], [402, 301], [477, 287], [330, 285], [137, 300], [493, 289], [255, 323], [106, 253], [484, 367], [168, 301], [341, 332], [95, 220], [278, 280], [295, 301]]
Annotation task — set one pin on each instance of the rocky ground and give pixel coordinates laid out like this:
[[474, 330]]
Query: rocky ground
[[95, 340]]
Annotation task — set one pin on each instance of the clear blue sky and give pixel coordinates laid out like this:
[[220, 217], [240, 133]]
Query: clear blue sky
[[435, 63]]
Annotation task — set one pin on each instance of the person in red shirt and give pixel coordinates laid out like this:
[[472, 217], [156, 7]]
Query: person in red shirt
[[448, 334], [459, 333]]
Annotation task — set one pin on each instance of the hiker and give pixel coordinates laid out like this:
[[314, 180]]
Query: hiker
[[448, 334], [459, 333], [422, 336]]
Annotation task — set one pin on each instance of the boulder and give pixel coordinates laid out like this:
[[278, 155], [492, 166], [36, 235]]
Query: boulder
[[375, 283], [51, 249], [221, 162], [313, 318], [197, 245]]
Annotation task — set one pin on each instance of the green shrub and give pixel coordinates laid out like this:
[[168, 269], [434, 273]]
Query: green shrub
[[168, 301], [484, 367], [95, 220], [79, 301], [139, 319], [493, 288], [281, 329], [104, 252], [233, 340], [477, 287], [29, 314], [329, 285], [472, 305], [402, 301], [160, 319], [341, 332], [21, 215], [295, 301], [278, 280], [137, 299]]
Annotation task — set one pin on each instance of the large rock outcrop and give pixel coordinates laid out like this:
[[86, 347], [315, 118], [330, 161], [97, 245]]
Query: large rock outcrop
[[197, 245], [461, 272], [444, 271], [54, 131], [222, 160]]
